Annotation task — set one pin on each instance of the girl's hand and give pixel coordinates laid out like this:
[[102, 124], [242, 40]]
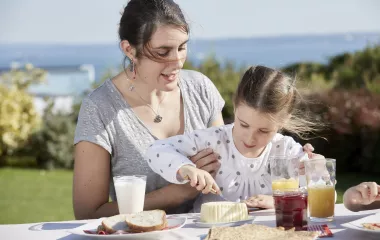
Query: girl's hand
[[200, 179], [260, 201], [308, 148]]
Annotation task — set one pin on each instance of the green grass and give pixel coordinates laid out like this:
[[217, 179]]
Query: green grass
[[30, 195]]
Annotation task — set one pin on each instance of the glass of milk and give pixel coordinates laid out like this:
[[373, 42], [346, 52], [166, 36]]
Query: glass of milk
[[130, 193]]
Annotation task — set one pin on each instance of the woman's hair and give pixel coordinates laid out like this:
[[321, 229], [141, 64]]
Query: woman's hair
[[272, 92], [141, 18]]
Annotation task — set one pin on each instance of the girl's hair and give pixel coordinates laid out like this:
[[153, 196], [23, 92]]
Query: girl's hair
[[272, 92], [141, 18]]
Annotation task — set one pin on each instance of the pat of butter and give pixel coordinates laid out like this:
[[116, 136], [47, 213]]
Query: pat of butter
[[217, 212]]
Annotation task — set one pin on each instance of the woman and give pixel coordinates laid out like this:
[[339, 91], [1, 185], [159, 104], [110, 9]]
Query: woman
[[152, 99]]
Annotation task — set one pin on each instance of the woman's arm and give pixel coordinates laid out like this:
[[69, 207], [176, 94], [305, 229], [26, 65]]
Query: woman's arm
[[91, 186], [91, 182], [169, 197]]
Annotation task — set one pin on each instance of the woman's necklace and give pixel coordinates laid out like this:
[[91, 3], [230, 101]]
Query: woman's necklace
[[157, 118]]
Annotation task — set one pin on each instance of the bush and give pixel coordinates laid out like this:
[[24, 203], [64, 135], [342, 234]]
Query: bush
[[53, 144], [354, 134], [18, 118], [345, 71]]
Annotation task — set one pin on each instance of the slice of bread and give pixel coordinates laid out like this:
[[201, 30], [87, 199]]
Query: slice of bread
[[146, 221], [257, 232], [115, 223]]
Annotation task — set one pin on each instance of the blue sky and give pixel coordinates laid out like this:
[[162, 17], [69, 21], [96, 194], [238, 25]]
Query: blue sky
[[95, 21]]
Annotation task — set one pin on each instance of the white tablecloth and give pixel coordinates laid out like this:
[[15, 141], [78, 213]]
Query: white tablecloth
[[58, 230]]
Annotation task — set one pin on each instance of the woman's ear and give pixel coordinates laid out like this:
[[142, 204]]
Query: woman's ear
[[128, 49]]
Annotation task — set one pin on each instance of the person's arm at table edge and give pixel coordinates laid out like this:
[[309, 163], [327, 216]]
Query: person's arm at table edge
[[91, 186], [353, 206], [360, 207]]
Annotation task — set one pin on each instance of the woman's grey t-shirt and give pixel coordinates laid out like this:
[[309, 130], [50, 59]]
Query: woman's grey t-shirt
[[107, 120]]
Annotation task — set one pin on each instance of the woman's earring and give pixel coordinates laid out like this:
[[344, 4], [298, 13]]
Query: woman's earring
[[132, 66]]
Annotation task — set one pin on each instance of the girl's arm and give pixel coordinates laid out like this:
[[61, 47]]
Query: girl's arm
[[167, 156]]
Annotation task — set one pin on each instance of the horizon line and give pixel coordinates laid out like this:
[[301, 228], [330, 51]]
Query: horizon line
[[202, 39]]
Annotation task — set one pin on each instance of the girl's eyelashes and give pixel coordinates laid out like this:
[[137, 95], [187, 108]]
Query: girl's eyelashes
[[261, 131], [264, 131]]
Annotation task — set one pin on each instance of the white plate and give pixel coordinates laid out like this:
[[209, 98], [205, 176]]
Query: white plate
[[198, 223], [174, 222], [357, 224]]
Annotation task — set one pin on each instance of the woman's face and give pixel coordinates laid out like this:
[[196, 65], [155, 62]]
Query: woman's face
[[252, 130], [170, 44]]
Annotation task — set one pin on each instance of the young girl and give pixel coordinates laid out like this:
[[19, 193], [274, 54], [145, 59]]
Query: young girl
[[265, 103]]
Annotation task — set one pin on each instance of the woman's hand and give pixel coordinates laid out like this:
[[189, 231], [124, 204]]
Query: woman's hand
[[207, 160], [260, 201]]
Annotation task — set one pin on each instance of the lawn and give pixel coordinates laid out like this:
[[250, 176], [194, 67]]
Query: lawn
[[29, 195]]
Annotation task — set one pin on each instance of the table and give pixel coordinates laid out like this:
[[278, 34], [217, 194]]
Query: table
[[57, 230]]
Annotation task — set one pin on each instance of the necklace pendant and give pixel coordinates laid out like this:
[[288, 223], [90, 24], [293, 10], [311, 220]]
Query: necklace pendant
[[131, 88], [157, 119]]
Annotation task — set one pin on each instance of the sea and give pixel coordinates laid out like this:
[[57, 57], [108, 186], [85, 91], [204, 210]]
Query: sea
[[270, 51]]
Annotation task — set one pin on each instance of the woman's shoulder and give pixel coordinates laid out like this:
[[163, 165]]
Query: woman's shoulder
[[198, 83], [99, 95], [192, 78], [191, 75]]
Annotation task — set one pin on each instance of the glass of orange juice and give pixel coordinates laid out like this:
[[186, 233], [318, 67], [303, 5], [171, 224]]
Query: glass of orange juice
[[284, 172], [320, 177]]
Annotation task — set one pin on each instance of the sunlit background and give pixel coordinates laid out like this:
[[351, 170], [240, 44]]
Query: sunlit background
[[52, 53]]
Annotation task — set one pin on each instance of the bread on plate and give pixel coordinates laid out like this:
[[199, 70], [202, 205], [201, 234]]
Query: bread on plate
[[145, 221]]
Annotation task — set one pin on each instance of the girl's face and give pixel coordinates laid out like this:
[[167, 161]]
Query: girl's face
[[170, 43], [253, 130]]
